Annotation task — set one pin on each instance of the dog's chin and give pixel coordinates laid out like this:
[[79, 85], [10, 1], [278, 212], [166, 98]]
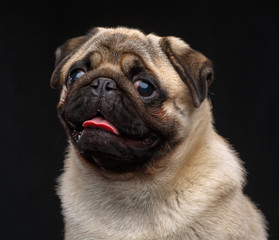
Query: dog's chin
[[115, 153]]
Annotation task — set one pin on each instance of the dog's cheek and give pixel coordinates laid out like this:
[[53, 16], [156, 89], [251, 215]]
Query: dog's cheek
[[63, 96], [178, 110]]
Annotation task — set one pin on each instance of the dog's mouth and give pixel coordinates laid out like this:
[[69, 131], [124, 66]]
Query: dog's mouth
[[102, 143], [101, 123], [98, 125]]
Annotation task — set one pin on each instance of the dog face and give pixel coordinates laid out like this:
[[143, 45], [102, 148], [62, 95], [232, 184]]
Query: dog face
[[127, 98]]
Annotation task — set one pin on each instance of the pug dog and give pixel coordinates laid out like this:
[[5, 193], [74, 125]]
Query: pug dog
[[144, 161]]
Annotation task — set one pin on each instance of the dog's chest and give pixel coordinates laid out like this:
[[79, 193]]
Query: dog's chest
[[121, 212]]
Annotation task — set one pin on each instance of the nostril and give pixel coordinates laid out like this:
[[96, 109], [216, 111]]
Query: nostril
[[95, 84], [110, 85]]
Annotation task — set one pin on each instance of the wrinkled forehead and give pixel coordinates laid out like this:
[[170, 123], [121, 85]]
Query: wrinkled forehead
[[112, 45]]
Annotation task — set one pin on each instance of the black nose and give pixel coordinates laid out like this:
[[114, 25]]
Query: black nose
[[103, 86]]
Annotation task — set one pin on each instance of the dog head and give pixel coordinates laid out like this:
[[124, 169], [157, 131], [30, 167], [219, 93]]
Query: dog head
[[126, 97]]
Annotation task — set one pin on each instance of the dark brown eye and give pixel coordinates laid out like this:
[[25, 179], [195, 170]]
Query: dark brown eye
[[144, 88], [75, 75]]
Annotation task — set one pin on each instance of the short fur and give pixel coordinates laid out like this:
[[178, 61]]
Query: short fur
[[192, 187]]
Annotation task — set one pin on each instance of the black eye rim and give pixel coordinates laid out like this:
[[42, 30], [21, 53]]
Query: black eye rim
[[81, 65], [70, 77], [153, 89], [75, 71], [150, 79]]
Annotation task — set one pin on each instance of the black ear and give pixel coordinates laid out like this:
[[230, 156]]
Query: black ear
[[193, 68]]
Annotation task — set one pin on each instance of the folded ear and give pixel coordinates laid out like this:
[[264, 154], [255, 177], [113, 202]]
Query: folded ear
[[193, 68]]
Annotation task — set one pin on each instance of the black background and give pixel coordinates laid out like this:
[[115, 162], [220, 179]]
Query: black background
[[240, 38]]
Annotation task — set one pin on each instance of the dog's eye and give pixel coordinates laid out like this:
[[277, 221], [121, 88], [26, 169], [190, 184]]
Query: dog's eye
[[144, 88], [75, 75]]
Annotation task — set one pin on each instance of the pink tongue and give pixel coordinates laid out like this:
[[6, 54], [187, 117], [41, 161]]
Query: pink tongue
[[100, 122]]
